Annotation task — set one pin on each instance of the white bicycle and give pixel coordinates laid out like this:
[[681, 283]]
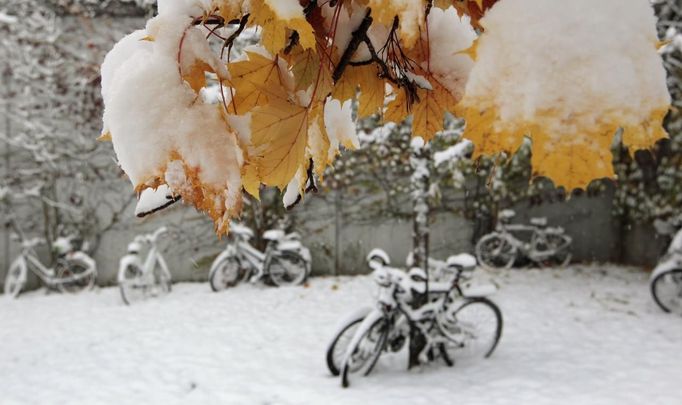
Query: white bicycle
[[139, 280], [457, 323], [547, 246], [285, 260], [73, 272], [666, 279]]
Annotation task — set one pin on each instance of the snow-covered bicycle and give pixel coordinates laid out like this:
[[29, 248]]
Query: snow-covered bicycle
[[548, 246], [456, 323], [139, 280], [73, 272], [285, 260], [666, 279]]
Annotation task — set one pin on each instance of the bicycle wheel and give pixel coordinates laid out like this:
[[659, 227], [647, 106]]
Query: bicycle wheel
[[473, 329], [74, 276], [557, 243], [228, 273], [339, 345], [132, 284], [666, 289], [14, 281], [287, 268], [363, 356], [494, 251]]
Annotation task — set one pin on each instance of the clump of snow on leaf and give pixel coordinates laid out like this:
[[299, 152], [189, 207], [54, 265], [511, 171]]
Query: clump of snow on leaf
[[338, 121], [576, 72], [154, 116], [448, 36]]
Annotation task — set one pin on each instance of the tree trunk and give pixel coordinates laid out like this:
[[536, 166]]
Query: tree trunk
[[420, 236]]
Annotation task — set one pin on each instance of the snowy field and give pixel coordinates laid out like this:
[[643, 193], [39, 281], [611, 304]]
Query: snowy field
[[578, 336]]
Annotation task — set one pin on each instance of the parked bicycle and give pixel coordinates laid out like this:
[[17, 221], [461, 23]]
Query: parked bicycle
[[74, 270], [456, 323], [666, 279], [285, 260], [546, 246], [140, 280]]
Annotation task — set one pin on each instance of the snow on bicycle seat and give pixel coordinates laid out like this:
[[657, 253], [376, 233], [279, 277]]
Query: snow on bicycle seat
[[241, 230], [462, 260], [539, 221], [273, 234], [507, 214]]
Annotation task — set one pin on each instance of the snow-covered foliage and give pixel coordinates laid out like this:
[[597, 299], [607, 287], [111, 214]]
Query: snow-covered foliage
[[562, 89], [650, 183], [285, 106]]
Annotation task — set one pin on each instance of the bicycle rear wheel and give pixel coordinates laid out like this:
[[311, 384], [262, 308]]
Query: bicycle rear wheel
[[494, 251], [666, 289], [473, 328], [75, 276], [287, 268]]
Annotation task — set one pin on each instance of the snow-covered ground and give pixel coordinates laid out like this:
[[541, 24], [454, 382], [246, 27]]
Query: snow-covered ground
[[580, 336]]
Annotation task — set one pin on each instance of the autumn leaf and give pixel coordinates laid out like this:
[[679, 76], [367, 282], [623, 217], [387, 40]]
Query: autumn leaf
[[410, 14], [275, 17], [372, 88], [475, 9], [279, 137], [254, 81]]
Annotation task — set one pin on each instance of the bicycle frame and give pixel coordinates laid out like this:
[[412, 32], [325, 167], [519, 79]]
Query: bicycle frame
[[538, 234]]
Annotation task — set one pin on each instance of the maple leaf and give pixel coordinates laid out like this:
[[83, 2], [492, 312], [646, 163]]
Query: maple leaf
[[475, 9], [254, 81], [275, 17], [428, 114], [372, 88], [410, 14], [279, 137]]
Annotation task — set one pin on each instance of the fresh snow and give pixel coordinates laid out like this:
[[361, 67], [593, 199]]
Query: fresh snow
[[585, 335], [569, 63]]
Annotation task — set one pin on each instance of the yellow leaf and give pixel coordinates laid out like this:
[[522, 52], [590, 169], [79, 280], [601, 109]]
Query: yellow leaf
[[573, 163], [319, 145], [428, 113], [305, 67], [410, 14], [195, 76], [250, 179], [255, 81], [372, 88], [274, 37], [279, 137]]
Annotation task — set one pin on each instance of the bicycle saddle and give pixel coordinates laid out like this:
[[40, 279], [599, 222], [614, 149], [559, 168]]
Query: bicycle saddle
[[538, 221], [273, 234], [241, 230], [506, 215]]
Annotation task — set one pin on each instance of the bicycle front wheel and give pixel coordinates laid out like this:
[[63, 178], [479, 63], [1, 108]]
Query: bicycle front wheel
[[228, 273], [339, 346], [15, 280], [132, 284], [362, 356], [287, 268], [558, 244], [473, 329], [494, 251], [666, 289]]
